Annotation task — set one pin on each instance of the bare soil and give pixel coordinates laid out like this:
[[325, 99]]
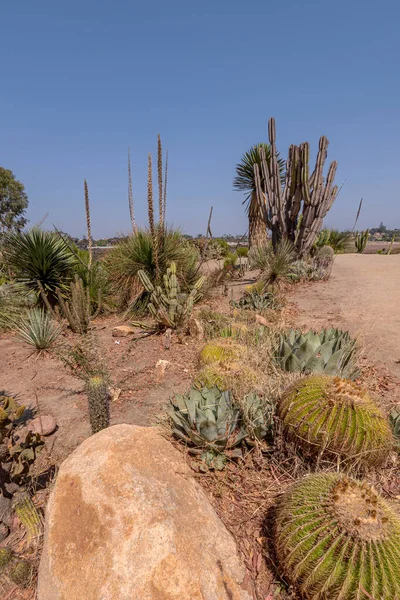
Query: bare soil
[[362, 296]]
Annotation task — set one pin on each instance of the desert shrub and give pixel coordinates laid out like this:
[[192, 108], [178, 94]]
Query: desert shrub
[[335, 418], [339, 241], [95, 280], [230, 261], [42, 256], [135, 253], [77, 308], [243, 252], [316, 268], [331, 351], [275, 266], [336, 538], [13, 305], [38, 329]]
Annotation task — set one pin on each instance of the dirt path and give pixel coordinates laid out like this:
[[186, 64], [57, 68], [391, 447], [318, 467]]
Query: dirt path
[[363, 296]]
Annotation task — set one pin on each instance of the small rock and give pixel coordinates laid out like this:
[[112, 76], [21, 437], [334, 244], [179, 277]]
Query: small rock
[[261, 321], [196, 329], [115, 394], [123, 331], [161, 367], [4, 531], [43, 425]]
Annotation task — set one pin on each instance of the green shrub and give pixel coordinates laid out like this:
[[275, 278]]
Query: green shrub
[[335, 418], [337, 539], [243, 252]]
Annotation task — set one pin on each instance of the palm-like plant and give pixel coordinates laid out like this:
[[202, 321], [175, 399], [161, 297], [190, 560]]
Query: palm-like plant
[[40, 256], [245, 182]]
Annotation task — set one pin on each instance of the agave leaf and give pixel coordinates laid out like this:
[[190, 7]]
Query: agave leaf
[[209, 430], [306, 351], [316, 364], [326, 350], [334, 364], [292, 364]]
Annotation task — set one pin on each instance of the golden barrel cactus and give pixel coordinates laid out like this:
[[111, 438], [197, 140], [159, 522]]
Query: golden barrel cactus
[[221, 351], [336, 418], [337, 539]]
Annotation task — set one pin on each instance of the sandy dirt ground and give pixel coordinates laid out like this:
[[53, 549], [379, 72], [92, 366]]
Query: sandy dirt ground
[[362, 296]]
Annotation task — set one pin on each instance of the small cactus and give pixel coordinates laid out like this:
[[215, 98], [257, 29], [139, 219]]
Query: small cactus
[[28, 514], [21, 573], [361, 240], [99, 403], [336, 539], [336, 418], [220, 351], [6, 556]]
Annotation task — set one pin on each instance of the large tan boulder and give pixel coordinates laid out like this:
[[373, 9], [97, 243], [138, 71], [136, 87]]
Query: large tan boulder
[[126, 521]]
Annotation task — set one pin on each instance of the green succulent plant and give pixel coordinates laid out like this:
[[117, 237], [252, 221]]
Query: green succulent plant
[[10, 413], [258, 416], [331, 351], [169, 306], [255, 301], [221, 351], [99, 402], [206, 418], [395, 422], [336, 418], [27, 513], [336, 539]]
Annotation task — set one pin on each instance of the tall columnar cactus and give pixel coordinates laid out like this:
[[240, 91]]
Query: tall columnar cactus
[[77, 311], [335, 418], [361, 240], [337, 539], [296, 210], [99, 403], [169, 306]]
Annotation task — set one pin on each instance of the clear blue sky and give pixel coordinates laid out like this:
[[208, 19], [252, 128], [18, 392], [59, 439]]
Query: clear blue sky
[[80, 81]]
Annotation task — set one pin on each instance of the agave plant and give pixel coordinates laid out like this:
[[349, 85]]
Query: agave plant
[[331, 351], [256, 301], [38, 329], [335, 538], [337, 419], [206, 418], [40, 256]]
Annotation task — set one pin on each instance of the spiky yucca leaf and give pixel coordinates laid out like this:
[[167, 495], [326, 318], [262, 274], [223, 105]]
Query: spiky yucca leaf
[[38, 329], [221, 351], [337, 539], [336, 418], [331, 351]]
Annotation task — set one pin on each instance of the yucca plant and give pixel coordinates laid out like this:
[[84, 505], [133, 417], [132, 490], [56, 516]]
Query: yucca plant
[[336, 539], [38, 329], [245, 182], [337, 419], [135, 253], [361, 240], [331, 351], [277, 270], [40, 256], [338, 240]]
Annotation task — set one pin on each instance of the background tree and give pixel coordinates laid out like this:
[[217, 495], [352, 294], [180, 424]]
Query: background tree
[[13, 202], [245, 182]]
